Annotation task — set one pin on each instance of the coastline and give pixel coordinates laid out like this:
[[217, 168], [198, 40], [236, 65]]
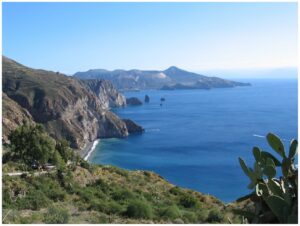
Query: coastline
[[89, 148]]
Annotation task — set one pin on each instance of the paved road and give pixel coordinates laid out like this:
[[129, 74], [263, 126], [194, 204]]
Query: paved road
[[13, 174]]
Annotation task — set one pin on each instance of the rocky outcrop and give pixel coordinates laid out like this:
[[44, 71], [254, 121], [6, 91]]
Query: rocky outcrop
[[106, 92], [134, 101], [133, 127], [64, 105]]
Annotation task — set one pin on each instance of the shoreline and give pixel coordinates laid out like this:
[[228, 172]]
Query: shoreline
[[88, 150]]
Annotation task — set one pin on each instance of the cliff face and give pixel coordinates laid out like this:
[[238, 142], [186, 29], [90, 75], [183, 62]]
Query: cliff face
[[12, 116], [106, 92], [65, 106]]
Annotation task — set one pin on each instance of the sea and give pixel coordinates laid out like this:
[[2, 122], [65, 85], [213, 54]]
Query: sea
[[194, 138]]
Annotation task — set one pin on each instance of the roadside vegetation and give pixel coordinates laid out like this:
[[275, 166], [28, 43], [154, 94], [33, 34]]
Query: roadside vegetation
[[74, 191]]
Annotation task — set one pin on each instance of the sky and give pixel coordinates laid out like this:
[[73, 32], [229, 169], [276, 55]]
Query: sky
[[71, 37]]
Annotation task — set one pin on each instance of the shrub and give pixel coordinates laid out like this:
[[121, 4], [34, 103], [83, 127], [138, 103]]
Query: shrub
[[175, 191], [114, 208], [34, 200], [189, 217], [49, 187], [87, 195], [56, 215], [188, 201], [172, 213], [63, 147], [119, 171], [214, 216], [202, 215], [6, 199], [139, 209], [108, 207], [58, 161], [100, 184], [147, 173], [56, 194], [122, 194], [85, 164]]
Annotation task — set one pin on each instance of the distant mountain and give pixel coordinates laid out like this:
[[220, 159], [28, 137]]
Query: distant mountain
[[171, 78]]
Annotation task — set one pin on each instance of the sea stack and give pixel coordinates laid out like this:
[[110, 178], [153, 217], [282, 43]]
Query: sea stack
[[133, 101], [147, 99], [133, 127]]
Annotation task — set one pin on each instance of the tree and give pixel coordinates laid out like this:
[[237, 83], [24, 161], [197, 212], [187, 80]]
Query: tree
[[63, 147], [275, 199], [30, 143]]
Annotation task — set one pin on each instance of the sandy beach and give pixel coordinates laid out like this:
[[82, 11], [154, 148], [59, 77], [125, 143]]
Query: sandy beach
[[89, 148]]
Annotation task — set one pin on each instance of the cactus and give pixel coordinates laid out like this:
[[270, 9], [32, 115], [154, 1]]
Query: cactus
[[275, 200]]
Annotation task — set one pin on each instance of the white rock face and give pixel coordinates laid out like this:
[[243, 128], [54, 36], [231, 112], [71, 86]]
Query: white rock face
[[107, 94]]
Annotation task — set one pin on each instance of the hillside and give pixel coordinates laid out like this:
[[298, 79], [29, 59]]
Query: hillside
[[67, 108], [93, 194], [170, 78]]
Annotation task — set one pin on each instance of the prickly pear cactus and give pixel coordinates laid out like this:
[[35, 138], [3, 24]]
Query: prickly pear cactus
[[275, 199]]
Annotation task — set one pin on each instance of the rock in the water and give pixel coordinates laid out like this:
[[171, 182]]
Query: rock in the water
[[133, 101], [132, 127], [162, 99], [147, 99]]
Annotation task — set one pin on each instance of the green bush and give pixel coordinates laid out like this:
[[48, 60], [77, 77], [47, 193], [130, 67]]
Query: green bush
[[63, 147], [87, 194], [85, 164], [189, 217], [188, 201], [31, 144], [100, 184], [56, 215], [202, 215], [58, 161], [122, 194], [114, 208], [171, 213], [108, 207], [50, 187], [117, 170], [175, 191], [139, 209], [34, 200], [215, 216], [6, 199]]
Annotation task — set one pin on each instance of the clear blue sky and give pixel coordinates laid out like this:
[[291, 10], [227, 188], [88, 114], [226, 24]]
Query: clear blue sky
[[70, 37]]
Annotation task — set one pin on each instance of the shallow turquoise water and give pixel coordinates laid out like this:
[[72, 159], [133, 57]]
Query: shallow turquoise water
[[194, 139]]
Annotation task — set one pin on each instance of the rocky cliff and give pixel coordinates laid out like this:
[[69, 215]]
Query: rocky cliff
[[106, 92], [65, 106]]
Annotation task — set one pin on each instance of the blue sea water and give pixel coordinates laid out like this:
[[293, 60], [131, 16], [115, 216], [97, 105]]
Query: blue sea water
[[195, 138]]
